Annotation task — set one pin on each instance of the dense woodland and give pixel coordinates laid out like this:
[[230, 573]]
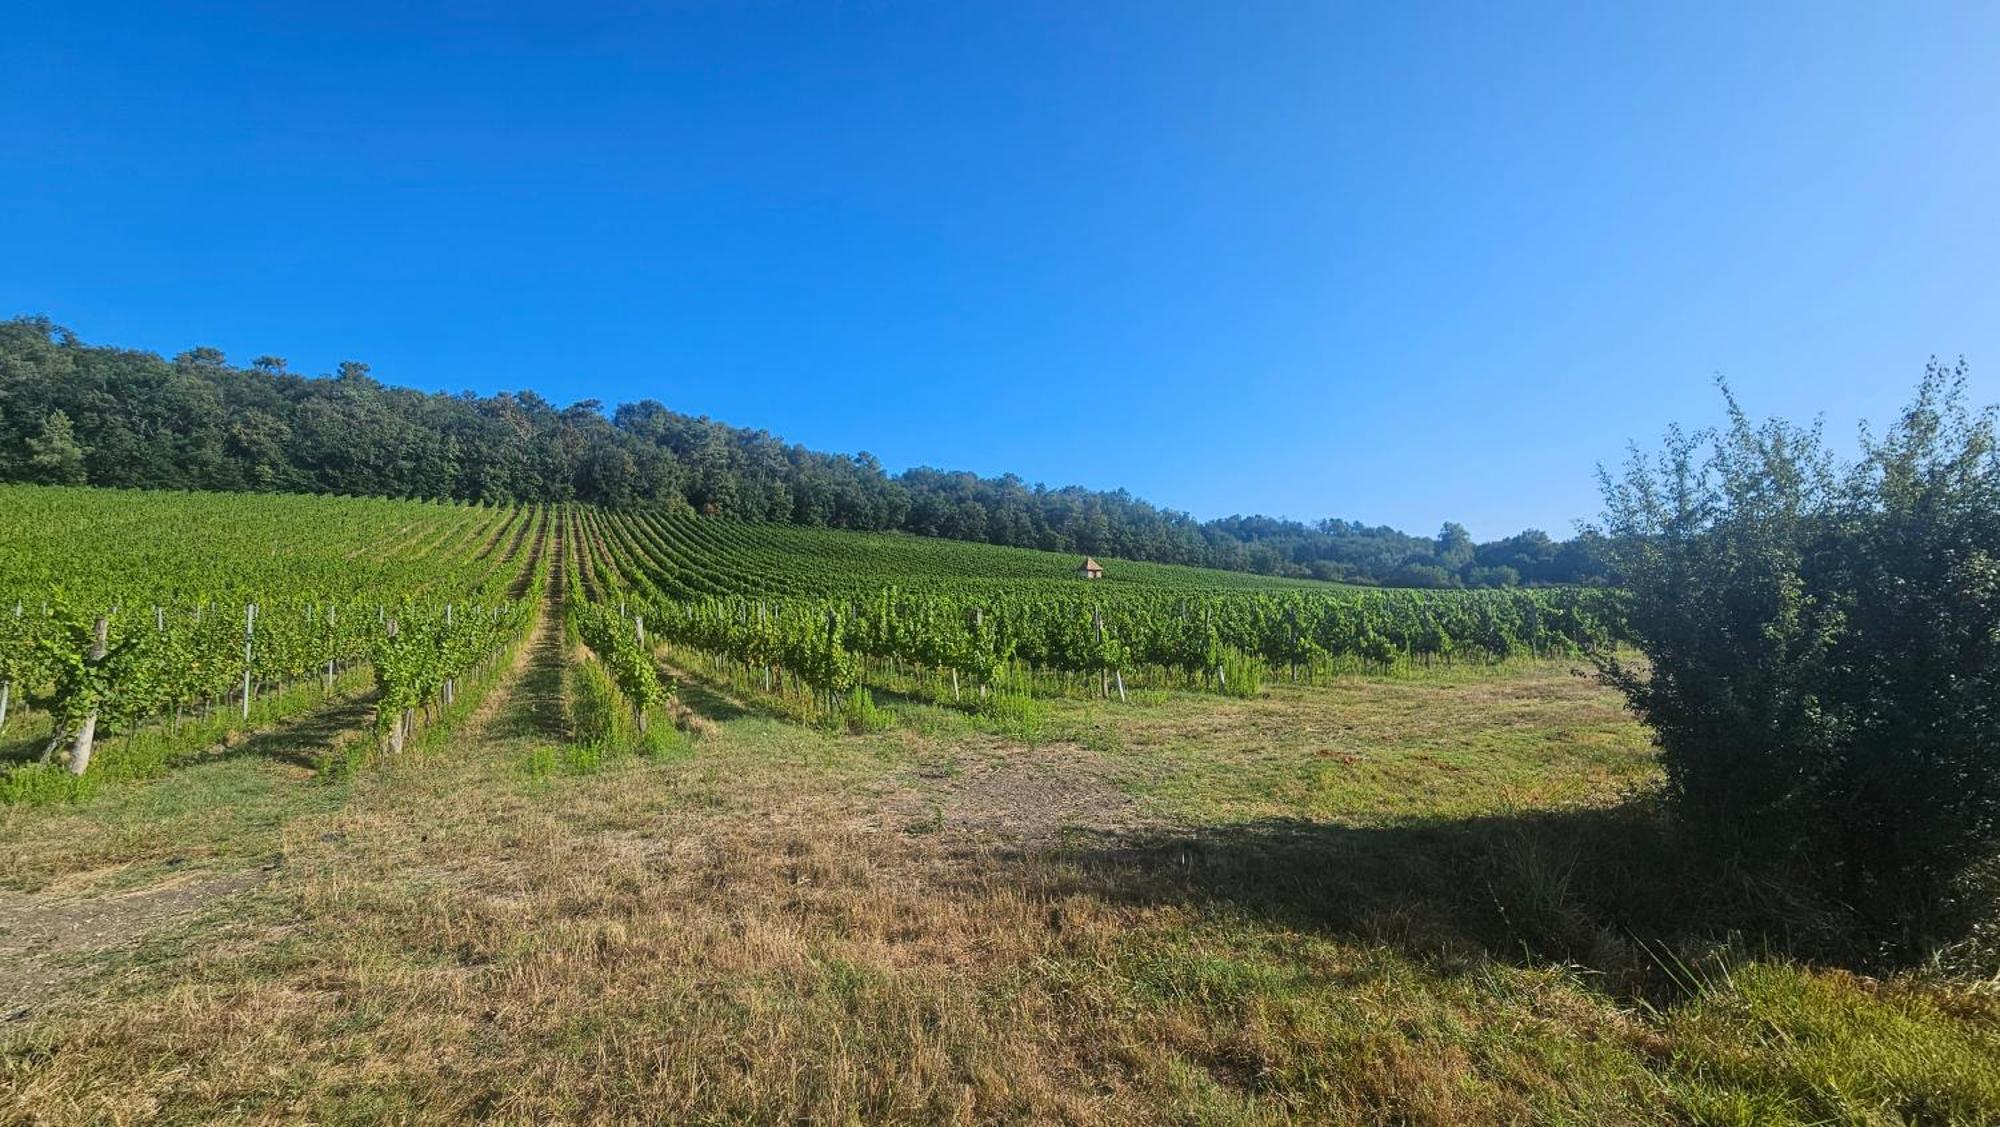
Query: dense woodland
[[72, 413]]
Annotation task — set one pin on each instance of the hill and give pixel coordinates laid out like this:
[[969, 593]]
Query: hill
[[74, 414], [767, 559]]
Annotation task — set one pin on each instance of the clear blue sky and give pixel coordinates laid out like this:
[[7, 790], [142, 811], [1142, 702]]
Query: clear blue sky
[[1379, 261]]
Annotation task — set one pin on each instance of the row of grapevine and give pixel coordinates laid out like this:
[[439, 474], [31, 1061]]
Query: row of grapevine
[[619, 643], [612, 684], [831, 611], [427, 593], [422, 654], [1079, 633], [687, 556], [95, 549], [802, 639]]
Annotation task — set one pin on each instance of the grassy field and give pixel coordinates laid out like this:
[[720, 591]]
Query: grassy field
[[1438, 898]]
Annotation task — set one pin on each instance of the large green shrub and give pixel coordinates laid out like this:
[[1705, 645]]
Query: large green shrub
[[1822, 645]]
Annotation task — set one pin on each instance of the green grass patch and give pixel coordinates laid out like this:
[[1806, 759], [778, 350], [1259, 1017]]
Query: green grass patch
[[1779, 1044]]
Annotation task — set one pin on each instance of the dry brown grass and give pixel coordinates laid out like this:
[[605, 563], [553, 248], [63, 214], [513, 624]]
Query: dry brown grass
[[614, 960], [919, 928]]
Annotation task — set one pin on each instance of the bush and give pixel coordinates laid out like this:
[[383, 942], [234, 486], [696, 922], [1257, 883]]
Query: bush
[[597, 713], [45, 784], [601, 715], [1242, 675], [1822, 646], [543, 762], [861, 714], [1013, 715]]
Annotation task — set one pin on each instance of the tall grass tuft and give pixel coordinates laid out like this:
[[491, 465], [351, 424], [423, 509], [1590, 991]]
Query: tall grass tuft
[[861, 714], [1242, 675], [602, 726]]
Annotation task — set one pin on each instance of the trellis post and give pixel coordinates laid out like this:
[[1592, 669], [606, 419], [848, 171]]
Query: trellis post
[[86, 733], [249, 636]]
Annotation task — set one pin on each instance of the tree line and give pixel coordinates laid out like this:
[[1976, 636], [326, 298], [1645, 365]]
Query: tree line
[[72, 413]]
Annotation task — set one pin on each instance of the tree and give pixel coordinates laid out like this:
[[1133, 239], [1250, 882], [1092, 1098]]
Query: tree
[[608, 477], [1531, 555], [257, 443], [1454, 546], [1823, 648], [54, 456], [1420, 575], [197, 422]]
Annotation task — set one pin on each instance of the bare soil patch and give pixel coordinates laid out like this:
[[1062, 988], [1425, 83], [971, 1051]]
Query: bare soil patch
[[37, 929], [1032, 795]]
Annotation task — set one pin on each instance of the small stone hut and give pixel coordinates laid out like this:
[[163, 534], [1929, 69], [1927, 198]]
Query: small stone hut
[[1091, 569]]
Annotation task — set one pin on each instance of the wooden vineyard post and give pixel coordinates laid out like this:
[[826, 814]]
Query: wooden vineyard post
[[1103, 678], [159, 626], [832, 632], [1292, 614], [86, 732], [7, 687], [249, 634], [400, 726], [761, 619], [1221, 674], [1097, 620], [330, 642], [979, 631], [450, 684], [639, 632]]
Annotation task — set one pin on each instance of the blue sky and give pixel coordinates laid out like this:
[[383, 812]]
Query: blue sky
[[1397, 263]]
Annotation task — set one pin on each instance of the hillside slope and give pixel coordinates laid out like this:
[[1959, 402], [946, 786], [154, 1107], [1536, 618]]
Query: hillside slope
[[73, 414]]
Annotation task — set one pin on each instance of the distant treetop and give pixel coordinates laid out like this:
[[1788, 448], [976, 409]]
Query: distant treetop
[[76, 413]]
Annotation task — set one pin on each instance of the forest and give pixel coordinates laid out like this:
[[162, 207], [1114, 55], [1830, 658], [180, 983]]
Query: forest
[[78, 414]]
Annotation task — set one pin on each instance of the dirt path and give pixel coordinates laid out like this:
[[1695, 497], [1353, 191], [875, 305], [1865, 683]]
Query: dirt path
[[34, 929], [528, 701], [47, 936]]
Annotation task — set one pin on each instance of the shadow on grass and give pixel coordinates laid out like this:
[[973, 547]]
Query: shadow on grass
[[1603, 889], [304, 741], [298, 741], [19, 744], [710, 702]]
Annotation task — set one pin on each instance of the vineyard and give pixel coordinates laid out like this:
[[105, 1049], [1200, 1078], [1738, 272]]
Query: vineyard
[[169, 621], [815, 615], [686, 556], [183, 617], [523, 774]]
